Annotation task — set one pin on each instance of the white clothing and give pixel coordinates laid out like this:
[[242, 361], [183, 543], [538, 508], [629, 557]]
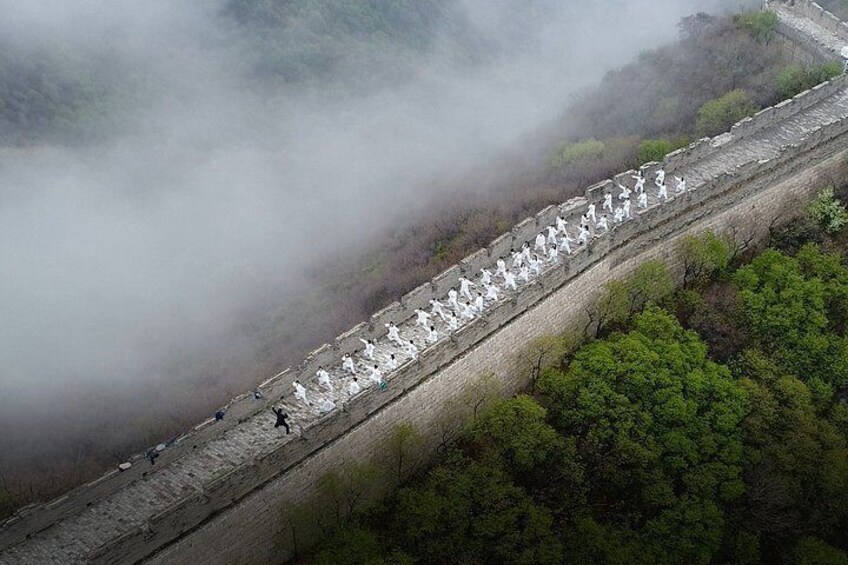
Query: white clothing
[[453, 323], [423, 318], [394, 334], [492, 291], [438, 309], [608, 202], [642, 201], [590, 214], [348, 365], [369, 348], [540, 242], [660, 177], [625, 192], [509, 280], [479, 303], [640, 183], [663, 192], [326, 405], [626, 208], [353, 388], [619, 215], [681, 185], [412, 350], [452, 296], [603, 223], [376, 376], [300, 393], [324, 380], [525, 273], [486, 279], [432, 335]]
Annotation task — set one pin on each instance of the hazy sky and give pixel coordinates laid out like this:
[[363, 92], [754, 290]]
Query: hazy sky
[[146, 245]]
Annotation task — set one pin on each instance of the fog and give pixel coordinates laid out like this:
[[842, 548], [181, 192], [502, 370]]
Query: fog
[[211, 198]]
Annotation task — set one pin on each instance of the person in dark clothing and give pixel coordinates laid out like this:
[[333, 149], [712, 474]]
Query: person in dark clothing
[[151, 456], [281, 419], [219, 415]]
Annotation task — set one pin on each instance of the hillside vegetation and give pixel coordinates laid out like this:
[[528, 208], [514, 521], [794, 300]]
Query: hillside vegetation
[[706, 424]]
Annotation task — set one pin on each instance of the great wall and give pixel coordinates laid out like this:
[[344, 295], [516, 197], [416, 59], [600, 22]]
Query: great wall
[[216, 493]]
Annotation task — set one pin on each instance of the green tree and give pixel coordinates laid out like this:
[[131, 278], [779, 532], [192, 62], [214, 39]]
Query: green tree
[[717, 115], [813, 551], [654, 150], [786, 314], [469, 512], [828, 211], [703, 256], [656, 426], [761, 25]]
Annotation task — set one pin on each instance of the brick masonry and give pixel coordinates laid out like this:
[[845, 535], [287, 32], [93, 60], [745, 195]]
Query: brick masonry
[[217, 495]]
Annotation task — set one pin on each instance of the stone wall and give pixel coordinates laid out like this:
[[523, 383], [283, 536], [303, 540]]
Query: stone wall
[[234, 518], [242, 533]]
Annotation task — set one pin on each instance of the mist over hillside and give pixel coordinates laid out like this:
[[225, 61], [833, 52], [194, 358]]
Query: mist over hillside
[[169, 173]]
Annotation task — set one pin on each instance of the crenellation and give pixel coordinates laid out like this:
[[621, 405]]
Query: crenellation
[[245, 470], [471, 265], [446, 280], [501, 245], [546, 217]]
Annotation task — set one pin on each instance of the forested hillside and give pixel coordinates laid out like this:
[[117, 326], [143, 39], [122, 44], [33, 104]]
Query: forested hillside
[[61, 93], [706, 424], [720, 70]]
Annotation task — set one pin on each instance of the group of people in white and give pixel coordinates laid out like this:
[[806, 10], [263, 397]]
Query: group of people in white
[[473, 298]]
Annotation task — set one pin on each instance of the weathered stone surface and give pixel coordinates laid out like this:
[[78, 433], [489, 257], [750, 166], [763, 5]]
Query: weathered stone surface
[[215, 494]]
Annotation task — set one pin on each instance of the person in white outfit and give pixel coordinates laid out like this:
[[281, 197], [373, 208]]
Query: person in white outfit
[[625, 192], [486, 277], [603, 223], [412, 349], [642, 200], [353, 387], [509, 280], [660, 177], [681, 185], [324, 379], [348, 364], [663, 192], [640, 183], [438, 309], [423, 318], [608, 202], [591, 213], [540, 242], [300, 393], [369, 348], [465, 287], [432, 335], [452, 300]]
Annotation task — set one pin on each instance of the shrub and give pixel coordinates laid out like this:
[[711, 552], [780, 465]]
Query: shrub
[[760, 25], [568, 153], [717, 115], [794, 78], [654, 150], [828, 212]]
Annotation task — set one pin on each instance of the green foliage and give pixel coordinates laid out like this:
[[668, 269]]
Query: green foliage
[[795, 78], [828, 211], [350, 545], [514, 435], [650, 283], [813, 551], [571, 152], [703, 256], [717, 115], [468, 512], [656, 426], [760, 25], [785, 310], [654, 150]]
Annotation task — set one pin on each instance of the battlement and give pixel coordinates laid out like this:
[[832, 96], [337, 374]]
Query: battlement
[[211, 474]]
